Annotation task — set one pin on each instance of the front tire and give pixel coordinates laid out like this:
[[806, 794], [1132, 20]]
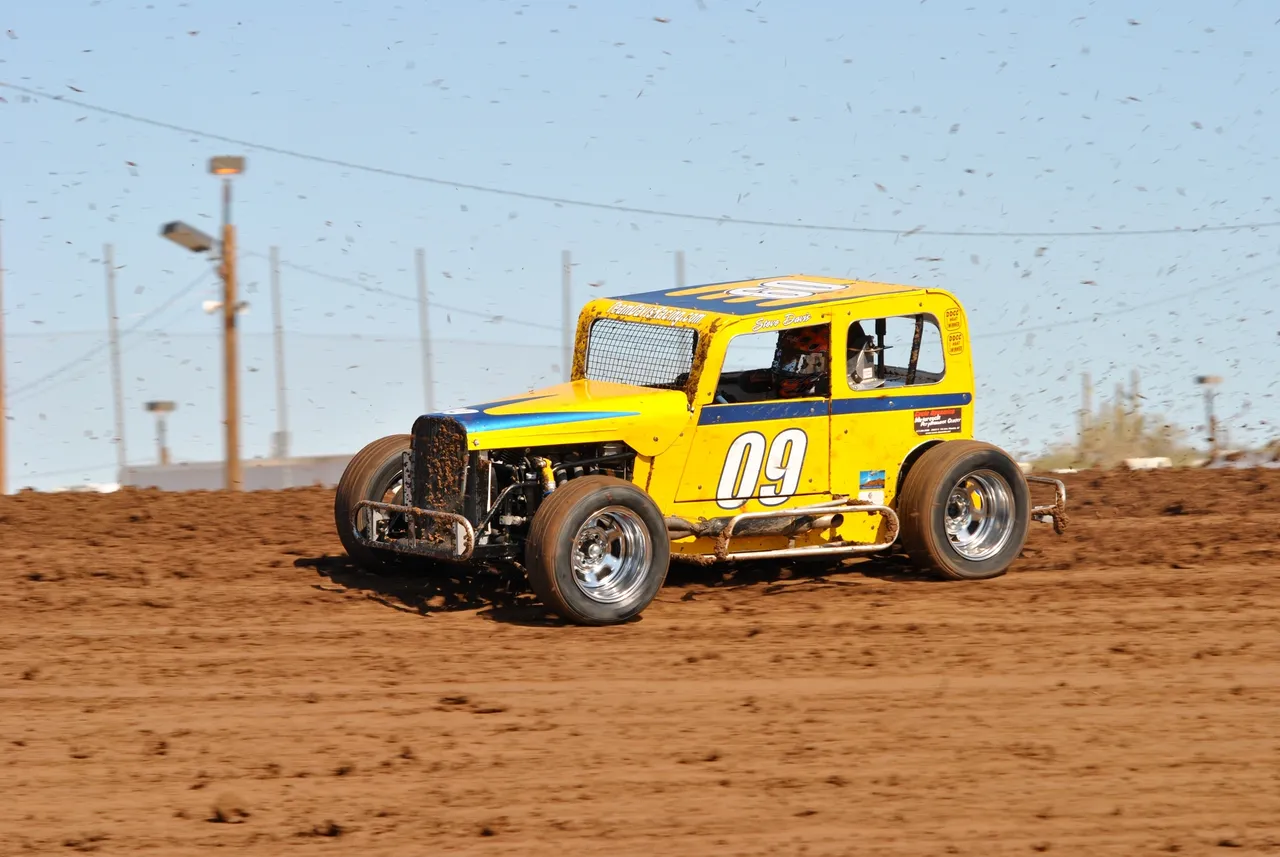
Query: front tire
[[375, 473], [597, 551], [965, 509]]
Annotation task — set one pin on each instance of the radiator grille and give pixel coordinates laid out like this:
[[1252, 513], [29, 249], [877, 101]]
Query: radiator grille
[[439, 447]]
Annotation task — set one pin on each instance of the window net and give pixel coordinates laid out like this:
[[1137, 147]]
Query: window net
[[639, 353]]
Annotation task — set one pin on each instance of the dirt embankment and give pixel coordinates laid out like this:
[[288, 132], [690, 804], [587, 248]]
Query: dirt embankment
[[183, 672]]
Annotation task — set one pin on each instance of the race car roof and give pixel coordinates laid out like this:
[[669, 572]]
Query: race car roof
[[748, 297]]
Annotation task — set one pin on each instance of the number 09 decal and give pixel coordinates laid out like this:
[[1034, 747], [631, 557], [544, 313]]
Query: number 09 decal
[[748, 455]]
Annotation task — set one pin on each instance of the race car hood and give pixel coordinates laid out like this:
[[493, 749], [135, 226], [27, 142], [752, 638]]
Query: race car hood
[[646, 419]]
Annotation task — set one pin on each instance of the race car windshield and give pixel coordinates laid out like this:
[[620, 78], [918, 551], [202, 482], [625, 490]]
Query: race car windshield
[[640, 353]]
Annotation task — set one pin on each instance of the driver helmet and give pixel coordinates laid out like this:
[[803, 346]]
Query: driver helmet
[[801, 362]]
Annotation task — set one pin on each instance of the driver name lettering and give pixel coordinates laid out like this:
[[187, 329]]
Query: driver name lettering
[[656, 313], [770, 323]]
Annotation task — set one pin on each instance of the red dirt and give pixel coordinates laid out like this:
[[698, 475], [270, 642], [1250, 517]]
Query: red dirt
[[182, 672]]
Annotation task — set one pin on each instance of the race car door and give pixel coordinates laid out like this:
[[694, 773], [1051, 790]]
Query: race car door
[[890, 395], [753, 450]]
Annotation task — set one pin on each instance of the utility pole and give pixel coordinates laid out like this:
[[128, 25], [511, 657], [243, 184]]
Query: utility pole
[[679, 269], [117, 379], [424, 330], [230, 342], [1121, 415], [1135, 425], [4, 395], [1086, 415], [1211, 422], [281, 452], [566, 295]]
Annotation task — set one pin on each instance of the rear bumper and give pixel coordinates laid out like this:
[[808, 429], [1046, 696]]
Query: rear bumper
[[1055, 512]]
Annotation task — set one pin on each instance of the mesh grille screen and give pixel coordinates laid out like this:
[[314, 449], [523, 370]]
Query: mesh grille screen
[[639, 353]]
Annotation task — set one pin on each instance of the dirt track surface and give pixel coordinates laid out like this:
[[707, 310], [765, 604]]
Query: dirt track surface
[[182, 672]]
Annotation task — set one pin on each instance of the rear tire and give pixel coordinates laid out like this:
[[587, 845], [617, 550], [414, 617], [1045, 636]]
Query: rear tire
[[597, 551], [372, 474], [965, 510]]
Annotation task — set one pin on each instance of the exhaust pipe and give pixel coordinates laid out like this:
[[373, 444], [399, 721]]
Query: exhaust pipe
[[678, 528]]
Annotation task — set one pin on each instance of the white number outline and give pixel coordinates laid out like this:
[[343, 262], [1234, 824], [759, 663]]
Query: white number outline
[[786, 289], [783, 465], [746, 457], [741, 470]]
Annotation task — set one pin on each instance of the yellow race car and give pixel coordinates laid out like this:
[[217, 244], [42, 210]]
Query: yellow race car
[[799, 416]]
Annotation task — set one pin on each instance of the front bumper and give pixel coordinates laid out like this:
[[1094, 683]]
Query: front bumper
[[455, 541], [436, 475]]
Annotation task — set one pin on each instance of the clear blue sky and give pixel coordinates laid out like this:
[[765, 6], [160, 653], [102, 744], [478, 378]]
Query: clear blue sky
[[955, 116]]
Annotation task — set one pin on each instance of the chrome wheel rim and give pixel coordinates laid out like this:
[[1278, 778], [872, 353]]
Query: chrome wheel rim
[[612, 552], [980, 515], [391, 491]]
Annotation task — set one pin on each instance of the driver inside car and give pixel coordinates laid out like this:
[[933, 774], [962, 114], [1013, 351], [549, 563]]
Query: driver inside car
[[801, 365]]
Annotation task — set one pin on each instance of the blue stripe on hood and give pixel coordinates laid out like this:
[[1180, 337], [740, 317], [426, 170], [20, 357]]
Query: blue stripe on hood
[[478, 418], [479, 422]]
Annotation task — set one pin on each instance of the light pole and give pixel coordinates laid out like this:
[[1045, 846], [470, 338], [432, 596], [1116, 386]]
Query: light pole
[[162, 410], [1211, 422], [117, 374], [196, 241], [566, 312], [4, 395]]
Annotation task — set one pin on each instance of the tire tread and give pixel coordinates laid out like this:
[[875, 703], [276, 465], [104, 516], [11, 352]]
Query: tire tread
[[353, 487], [915, 503], [541, 542]]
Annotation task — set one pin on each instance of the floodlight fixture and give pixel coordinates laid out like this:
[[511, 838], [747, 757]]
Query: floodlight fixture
[[185, 235], [227, 165]]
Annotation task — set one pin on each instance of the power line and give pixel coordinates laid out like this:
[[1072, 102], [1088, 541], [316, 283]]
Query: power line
[[40, 384], [626, 209], [378, 290], [1227, 285], [294, 334], [102, 346]]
